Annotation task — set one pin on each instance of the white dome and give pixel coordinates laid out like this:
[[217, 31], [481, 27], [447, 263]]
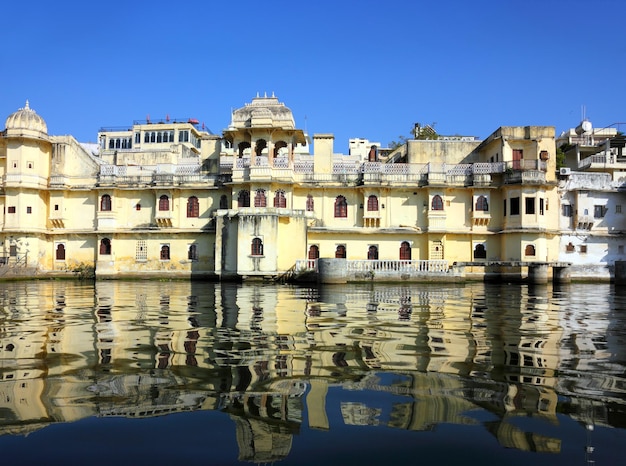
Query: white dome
[[26, 119]]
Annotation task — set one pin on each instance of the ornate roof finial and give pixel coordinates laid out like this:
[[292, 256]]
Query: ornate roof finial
[[27, 106]]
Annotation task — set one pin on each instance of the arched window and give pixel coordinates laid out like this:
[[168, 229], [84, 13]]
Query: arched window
[[105, 246], [279, 145], [165, 252], [280, 200], [105, 203], [372, 204], [530, 250], [244, 199], [482, 204], [193, 207], [437, 203], [480, 252], [192, 253], [310, 204], [223, 202], [259, 198], [340, 252], [164, 203], [242, 147], [372, 253], [341, 207], [314, 252], [60, 252], [405, 251], [257, 247], [259, 146]]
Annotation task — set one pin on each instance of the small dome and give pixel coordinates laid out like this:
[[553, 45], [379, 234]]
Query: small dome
[[26, 118]]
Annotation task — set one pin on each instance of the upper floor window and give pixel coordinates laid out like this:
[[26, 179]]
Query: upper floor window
[[164, 203], [243, 200], [259, 198], [515, 206], [437, 203], [105, 203], [372, 204], [183, 136], [314, 252], [530, 205], [341, 207], [223, 201], [280, 200], [310, 204], [256, 248], [599, 211], [568, 211], [340, 252], [372, 253], [482, 204], [529, 250], [193, 207]]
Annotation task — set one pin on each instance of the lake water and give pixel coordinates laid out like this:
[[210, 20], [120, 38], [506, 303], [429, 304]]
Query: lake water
[[156, 373]]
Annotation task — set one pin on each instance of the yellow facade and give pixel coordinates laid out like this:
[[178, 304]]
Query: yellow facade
[[168, 198]]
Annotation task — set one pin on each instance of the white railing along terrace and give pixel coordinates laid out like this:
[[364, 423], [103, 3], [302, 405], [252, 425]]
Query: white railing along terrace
[[398, 266], [351, 167], [391, 266]]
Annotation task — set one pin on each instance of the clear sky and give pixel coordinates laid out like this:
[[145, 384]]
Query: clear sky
[[368, 69]]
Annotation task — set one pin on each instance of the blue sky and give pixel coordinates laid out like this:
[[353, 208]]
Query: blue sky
[[368, 69]]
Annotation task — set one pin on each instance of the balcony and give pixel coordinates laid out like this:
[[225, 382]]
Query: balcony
[[525, 172], [605, 161], [480, 218], [584, 222], [106, 220], [436, 220], [163, 218], [371, 219], [56, 219]]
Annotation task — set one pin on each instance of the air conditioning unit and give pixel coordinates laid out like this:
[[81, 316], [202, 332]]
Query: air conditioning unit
[[565, 171]]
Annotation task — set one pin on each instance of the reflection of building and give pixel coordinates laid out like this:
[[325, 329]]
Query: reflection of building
[[419, 356], [260, 442]]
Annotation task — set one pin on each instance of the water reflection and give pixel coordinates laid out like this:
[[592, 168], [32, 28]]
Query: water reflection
[[510, 360]]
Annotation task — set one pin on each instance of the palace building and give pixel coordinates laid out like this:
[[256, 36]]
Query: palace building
[[168, 198]]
